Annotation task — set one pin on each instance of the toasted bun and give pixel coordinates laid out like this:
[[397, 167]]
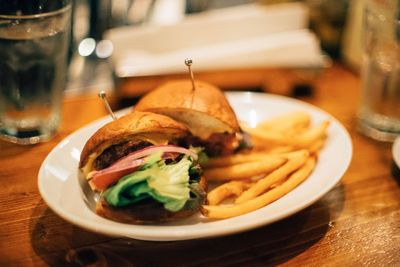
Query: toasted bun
[[141, 126], [149, 212], [204, 110]]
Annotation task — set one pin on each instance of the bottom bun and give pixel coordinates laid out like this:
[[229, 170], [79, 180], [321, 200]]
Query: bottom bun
[[149, 211]]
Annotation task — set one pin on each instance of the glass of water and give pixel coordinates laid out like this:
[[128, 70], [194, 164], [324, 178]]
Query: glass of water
[[34, 42], [379, 112]]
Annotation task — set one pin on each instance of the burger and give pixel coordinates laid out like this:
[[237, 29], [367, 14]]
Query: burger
[[141, 172], [204, 110]]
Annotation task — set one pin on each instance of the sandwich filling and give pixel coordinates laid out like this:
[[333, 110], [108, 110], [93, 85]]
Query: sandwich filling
[[167, 174], [219, 144]]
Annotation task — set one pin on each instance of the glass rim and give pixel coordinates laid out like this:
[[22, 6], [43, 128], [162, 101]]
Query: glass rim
[[40, 15]]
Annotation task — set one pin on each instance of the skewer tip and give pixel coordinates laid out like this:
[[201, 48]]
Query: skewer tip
[[188, 62], [102, 94]]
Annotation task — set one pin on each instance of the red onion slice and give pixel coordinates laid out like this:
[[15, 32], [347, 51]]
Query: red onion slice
[[153, 149]]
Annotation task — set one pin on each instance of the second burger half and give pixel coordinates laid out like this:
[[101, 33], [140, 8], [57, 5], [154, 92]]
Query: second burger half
[[204, 110]]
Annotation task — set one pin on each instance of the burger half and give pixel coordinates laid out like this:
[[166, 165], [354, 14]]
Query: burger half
[[205, 111], [141, 172]]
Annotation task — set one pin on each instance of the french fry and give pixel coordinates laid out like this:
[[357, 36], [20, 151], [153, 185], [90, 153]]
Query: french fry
[[238, 158], [261, 145], [268, 137], [312, 135], [303, 140], [286, 122], [227, 211], [296, 160], [244, 170], [316, 147], [232, 188], [281, 149], [288, 137]]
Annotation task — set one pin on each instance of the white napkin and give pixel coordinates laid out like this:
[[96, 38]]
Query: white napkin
[[240, 37]]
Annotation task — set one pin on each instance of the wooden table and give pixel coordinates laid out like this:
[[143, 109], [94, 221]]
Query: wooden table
[[356, 223]]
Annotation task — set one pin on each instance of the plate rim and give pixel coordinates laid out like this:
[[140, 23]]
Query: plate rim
[[196, 234], [396, 151]]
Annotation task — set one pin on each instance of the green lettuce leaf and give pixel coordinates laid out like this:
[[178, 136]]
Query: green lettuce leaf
[[202, 155], [167, 184]]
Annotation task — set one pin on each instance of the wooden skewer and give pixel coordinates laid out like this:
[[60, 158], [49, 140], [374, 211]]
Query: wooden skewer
[[188, 63], [102, 95]]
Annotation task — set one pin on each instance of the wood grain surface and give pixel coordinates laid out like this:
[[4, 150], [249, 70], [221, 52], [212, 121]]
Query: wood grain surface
[[356, 224]]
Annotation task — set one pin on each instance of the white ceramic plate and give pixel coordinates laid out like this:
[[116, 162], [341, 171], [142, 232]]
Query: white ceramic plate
[[396, 152], [59, 187]]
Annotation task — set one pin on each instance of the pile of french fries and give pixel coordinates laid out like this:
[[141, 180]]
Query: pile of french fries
[[285, 153]]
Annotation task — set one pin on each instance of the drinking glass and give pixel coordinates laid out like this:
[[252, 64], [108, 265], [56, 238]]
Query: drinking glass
[[379, 112], [34, 41]]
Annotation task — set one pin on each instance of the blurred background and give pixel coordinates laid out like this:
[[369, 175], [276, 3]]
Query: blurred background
[[118, 45]]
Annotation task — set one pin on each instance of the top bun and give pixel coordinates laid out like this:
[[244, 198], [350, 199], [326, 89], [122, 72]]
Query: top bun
[[204, 110], [139, 126]]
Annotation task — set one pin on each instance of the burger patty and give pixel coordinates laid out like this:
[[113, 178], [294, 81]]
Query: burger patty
[[115, 152]]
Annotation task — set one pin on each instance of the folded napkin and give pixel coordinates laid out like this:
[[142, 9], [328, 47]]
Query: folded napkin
[[246, 36]]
